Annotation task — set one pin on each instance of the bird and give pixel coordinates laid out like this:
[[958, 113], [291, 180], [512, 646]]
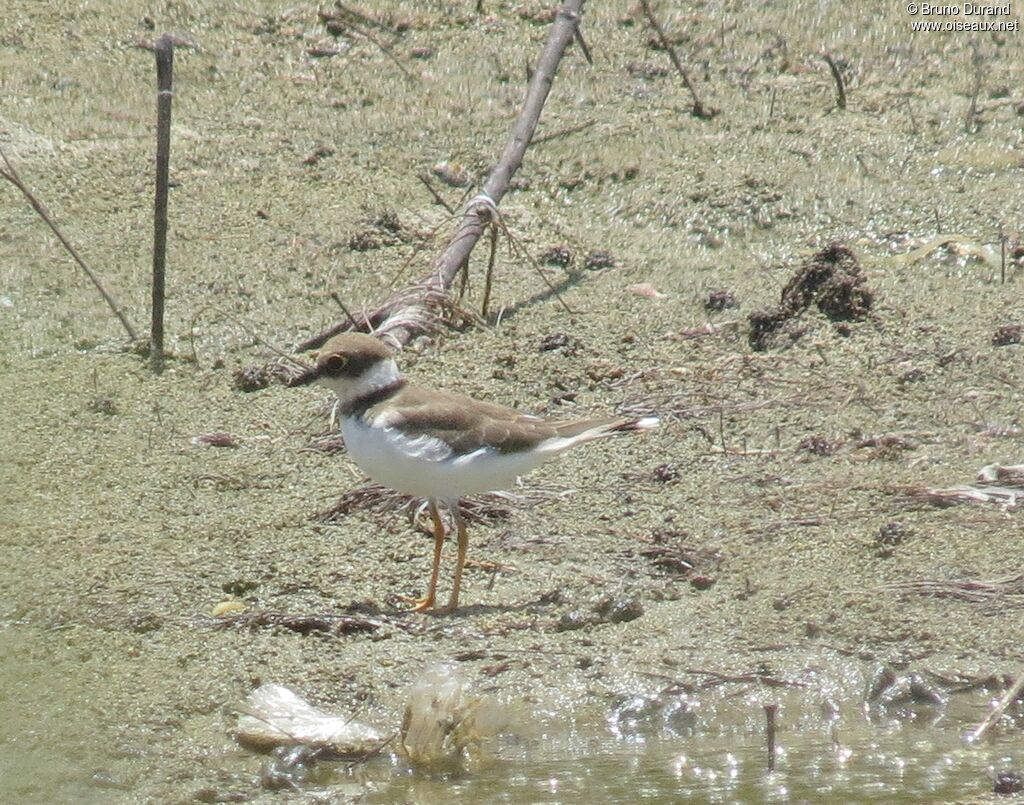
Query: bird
[[438, 445]]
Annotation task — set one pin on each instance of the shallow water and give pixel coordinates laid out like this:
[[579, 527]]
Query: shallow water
[[891, 764], [717, 755], [48, 752], [119, 536]]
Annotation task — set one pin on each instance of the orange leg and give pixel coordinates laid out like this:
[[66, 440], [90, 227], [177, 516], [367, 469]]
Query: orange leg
[[460, 525], [427, 602]]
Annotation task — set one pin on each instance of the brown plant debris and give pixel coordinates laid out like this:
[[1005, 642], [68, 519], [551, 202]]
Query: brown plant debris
[[413, 312], [1007, 334], [489, 508], [383, 228], [260, 376], [598, 259], [886, 441], [972, 591], [720, 300], [832, 279], [302, 624], [215, 439], [1005, 474], [999, 484], [670, 554], [966, 494]]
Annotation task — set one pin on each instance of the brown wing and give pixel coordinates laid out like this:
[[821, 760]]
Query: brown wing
[[464, 424]]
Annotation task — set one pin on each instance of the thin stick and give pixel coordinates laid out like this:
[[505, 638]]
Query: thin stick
[[11, 175], [583, 46], [837, 76], [910, 113], [1002, 257], [972, 111], [489, 276], [563, 132], [164, 51], [437, 196], [698, 108], [769, 714], [463, 281], [345, 310], [997, 712], [358, 15]]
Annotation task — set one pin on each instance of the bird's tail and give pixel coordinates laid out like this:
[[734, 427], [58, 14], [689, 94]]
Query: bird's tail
[[573, 433]]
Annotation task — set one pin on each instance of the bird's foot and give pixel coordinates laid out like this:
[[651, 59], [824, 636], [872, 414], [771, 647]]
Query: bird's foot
[[424, 604]]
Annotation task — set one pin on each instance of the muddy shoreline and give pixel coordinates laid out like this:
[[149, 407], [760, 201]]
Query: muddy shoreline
[[766, 526]]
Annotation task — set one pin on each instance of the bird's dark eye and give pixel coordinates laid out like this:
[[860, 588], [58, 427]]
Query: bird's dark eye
[[335, 364]]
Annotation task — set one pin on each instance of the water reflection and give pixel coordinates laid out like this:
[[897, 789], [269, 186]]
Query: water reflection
[[650, 753]]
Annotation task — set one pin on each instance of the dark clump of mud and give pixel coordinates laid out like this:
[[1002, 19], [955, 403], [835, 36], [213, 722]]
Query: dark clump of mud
[[1007, 334], [832, 280]]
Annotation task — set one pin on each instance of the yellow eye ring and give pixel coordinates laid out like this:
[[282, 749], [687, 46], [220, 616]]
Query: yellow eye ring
[[335, 364]]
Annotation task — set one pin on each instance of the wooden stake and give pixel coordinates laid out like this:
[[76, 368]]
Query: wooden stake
[[769, 713], [164, 50]]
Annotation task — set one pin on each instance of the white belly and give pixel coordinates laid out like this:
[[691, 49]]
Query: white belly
[[426, 467]]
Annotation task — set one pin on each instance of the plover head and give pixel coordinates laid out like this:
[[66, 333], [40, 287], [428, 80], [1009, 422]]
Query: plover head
[[352, 365]]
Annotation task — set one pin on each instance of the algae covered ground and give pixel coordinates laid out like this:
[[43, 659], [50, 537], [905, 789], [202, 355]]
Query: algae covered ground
[[776, 523]]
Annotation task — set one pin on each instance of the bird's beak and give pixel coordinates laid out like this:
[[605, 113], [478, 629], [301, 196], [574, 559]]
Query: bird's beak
[[304, 379]]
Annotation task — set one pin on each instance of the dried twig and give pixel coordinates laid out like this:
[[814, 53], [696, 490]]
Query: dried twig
[[699, 110], [715, 678], [970, 121], [414, 310], [583, 46], [1004, 474], [358, 22], [1006, 497], [11, 175], [545, 138], [1007, 699], [437, 196], [838, 78], [489, 508], [489, 275], [302, 624], [975, 592]]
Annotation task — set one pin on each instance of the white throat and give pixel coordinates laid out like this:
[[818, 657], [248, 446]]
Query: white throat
[[382, 374]]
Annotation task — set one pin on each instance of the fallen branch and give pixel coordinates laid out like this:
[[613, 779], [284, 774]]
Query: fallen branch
[[11, 175], [414, 310]]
